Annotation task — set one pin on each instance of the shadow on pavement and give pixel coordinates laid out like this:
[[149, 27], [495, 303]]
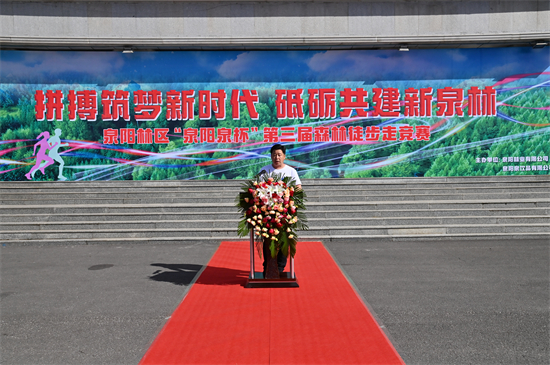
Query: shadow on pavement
[[214, 275], [179, 274]]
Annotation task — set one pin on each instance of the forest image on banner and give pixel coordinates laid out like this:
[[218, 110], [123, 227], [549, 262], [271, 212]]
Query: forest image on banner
[[71, 115]]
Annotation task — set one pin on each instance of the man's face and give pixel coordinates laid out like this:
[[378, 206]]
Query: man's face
[[278, 158]]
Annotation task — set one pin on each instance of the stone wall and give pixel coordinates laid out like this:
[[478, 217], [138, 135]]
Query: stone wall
[[202, 24]]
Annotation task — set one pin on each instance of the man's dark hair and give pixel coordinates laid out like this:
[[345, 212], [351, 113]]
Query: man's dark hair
[[278, 147]]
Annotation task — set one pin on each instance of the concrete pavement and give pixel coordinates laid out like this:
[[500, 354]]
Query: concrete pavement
[[441, 302], [456, 302]]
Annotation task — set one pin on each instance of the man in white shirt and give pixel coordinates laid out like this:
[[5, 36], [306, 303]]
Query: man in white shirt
[[278, 154]]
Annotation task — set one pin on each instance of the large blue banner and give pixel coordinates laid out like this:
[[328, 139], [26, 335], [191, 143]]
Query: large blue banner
[[214, 115]]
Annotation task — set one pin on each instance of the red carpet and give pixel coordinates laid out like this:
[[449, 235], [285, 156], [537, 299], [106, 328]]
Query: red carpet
[[321, 322]]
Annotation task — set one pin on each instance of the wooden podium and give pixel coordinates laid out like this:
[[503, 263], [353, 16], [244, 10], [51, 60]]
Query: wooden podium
[[256, 279]]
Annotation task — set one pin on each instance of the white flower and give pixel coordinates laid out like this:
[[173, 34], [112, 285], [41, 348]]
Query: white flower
[[268, 192]]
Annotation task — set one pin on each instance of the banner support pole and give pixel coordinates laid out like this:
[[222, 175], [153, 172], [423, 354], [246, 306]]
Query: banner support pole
[[292, 274], [252, 254]]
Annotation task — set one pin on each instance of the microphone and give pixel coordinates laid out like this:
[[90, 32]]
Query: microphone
[[262, 172]]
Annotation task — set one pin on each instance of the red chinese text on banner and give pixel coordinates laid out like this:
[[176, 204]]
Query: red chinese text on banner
[[482, 102], [144, 136], [207, 135], [386, 102], [338, 134], [418, 103], [322, 103], [353, 100], [389, 133], [190, 135], [116, 105], [161, 135], [355, 133], [289, 104], [224, 135], [305, 134], [240, 135], [84, 104], [212, 102], [53, 107], [271, 135], [148, 105], [110, 136], [449, 102], [213, 135], [39, 107], [372, 133], [127, 135], [131, 136], [321, 134], [406, 133], [180, 105], [287, 134], [247, 97], [423, 133]]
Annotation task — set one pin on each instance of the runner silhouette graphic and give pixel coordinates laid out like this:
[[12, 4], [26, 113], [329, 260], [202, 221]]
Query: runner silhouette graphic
[[41, 155]]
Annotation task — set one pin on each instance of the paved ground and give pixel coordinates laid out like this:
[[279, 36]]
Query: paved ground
[[457, 302], [442, 302]]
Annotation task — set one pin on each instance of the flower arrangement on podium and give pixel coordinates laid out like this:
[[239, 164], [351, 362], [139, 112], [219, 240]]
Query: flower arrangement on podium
[[273, 208]]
